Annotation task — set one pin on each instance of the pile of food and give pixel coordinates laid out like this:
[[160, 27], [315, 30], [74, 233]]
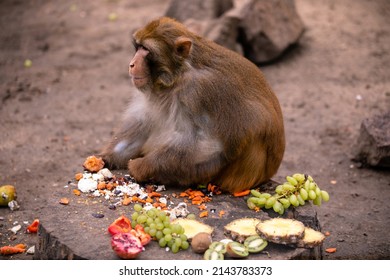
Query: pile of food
[[156, 218]]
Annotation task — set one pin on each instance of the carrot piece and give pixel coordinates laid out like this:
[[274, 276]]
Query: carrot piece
[[203, 214], [202, 207], [154, 194], [327, 233], [20, 246], [10, 250], [126, 201], [183, 194], [196, 193], [64, 201], [242, 193], [101, 186], [221, 213], [33, 227], [331, 250], [78, 176], [149, 200], [76, 192]]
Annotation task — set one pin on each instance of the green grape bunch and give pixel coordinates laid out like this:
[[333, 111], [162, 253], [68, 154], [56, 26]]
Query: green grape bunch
[[158, 225], [298, 189]]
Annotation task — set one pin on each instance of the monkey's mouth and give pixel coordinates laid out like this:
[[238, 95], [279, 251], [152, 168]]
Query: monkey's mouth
[[137, 78], [139, 81]]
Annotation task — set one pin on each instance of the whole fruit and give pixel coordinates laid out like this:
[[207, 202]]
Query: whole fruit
[[7, 194], [201, 242], [126, 245]]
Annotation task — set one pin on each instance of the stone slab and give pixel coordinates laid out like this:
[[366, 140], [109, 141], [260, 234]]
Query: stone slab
[[72, 232]]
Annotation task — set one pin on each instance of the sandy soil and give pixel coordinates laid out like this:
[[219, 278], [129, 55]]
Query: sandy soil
[[64, 107]]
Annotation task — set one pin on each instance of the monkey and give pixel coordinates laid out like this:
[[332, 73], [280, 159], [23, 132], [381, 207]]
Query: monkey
[[200, 114]]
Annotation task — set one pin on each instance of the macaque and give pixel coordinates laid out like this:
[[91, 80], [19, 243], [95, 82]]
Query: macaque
[[201, 114]]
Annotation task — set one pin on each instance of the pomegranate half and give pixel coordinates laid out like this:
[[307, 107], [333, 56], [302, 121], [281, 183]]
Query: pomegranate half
[[126, 245]]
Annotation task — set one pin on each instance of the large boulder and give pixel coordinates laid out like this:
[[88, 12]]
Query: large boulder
[[268, 28], [182, 10], [260, 29]]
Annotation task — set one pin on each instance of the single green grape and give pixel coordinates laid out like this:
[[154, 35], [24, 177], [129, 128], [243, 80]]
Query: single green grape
[[168, 237], [292, 180], [151, 213], [270, 202], [162, 242], [152, 232], [175, 248], [159, 234], [312, 195], [286, 203], [142, 219], [304, 194], [149, 221], [287, 187], [325, 196], [279, 189], [191, 216], [300, 200], [299, 177], [134, 216], [166, 231], [183, 237], [160, 226], [317, 201], [277, 206], [293, 200], [176, 228], [185, 245], [266, 195], [138, 207], [178, 241], [255, 193], [250, 204]]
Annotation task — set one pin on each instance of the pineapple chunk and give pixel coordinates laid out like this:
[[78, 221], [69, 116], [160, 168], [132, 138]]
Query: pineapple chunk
[[240, 229], [282, 231]]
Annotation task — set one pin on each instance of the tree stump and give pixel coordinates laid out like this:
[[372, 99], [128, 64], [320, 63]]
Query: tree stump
[[75, 231]]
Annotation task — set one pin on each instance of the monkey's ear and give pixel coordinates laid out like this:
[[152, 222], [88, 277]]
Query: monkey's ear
[[183, 46]]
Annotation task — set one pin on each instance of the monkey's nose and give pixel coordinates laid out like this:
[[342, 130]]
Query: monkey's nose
[[131, 65]]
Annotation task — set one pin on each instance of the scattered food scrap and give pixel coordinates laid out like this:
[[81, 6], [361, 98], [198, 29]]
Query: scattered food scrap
[[64, 201], [33, 227], [10, 250]]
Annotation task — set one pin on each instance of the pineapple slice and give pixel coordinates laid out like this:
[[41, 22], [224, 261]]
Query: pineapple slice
[[280, 230], [193, 227], [311, 238], [240, 229]]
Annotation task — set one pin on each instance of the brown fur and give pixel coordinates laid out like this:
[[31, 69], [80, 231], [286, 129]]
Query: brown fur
[[202, 114]]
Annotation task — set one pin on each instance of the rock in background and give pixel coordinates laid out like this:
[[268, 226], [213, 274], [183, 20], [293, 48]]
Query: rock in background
[[373, 143], [259, 29]]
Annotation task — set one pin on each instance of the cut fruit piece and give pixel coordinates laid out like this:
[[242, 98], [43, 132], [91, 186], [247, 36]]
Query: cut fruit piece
[[311, 238], [240, 229], [210, 254], [193, 227], [218, 246], [255, 244], [236, 250], [281, 231]]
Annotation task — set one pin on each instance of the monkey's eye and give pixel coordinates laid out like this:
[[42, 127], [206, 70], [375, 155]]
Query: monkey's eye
[[140, 47]]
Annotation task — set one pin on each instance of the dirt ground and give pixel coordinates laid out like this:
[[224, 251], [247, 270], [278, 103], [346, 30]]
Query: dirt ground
[[64, 107]]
